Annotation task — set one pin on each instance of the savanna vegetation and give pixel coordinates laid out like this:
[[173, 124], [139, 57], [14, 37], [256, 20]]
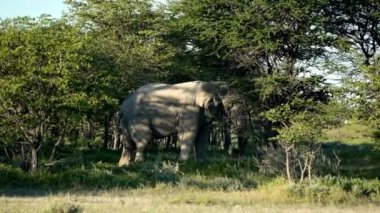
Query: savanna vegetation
[[308, 71]]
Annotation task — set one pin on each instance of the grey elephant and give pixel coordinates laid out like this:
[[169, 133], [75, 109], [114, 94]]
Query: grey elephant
[[158, 110], [239, 119]]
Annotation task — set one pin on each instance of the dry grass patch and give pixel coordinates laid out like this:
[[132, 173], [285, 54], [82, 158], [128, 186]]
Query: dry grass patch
[[167, 200]]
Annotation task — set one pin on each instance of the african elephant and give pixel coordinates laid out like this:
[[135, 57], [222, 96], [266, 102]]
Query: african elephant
[[238, 119], [158, 110], [239, 124]]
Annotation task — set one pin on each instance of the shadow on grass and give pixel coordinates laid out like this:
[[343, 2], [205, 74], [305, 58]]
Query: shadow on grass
[[92, 170], [88, 171], [356, 160]]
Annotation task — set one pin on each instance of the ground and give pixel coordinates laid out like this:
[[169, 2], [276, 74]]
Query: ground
[[89, 181], [168, 200]]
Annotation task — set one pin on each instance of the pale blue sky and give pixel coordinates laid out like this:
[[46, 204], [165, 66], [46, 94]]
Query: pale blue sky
[[14, 8]]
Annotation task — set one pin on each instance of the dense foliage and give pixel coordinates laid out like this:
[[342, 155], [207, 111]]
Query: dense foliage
[[62, 80]]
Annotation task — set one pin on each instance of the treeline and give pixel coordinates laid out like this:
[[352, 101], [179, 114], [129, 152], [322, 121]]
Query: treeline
[[62, 80]]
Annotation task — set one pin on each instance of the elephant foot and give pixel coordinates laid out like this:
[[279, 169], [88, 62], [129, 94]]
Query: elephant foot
[[125, 158], [183, 157], [139, 157], [124, 161]]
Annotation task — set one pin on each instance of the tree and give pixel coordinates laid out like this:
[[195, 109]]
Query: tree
[[267, 48], [39, 59], [355, 28], [256, 37], [253, 39], [126, 50], [298, 119], [126, 37]]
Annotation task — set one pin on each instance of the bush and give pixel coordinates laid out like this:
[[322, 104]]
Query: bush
[[217, 183], [303, 156], [65, 208], [337, 190]]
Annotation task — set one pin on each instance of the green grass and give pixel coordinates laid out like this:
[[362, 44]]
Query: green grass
[[162, 199], [221, 184], [354, 132], [87, 171], [219, 175], [357, 147]]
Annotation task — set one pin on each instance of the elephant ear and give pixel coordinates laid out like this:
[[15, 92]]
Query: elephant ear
[[203, 99], [209, 99], [210, 106], [206, 95], [223, 88]]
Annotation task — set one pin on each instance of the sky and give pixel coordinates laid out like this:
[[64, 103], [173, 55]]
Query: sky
[[14, 8]]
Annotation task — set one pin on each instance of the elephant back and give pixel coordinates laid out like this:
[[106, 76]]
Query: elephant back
[[187, 93]]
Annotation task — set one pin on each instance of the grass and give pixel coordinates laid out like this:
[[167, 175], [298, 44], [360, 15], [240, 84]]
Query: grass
[[82, 172], [160, 184], [357, 147], [354, 132], [168, 199], [90, 181]]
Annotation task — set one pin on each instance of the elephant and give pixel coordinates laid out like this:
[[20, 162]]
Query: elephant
[[159, 110], [238, 118]]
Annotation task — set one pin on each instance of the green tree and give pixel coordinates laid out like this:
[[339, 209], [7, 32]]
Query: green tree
[[254, 36], [299, 119], [126, 50], [268, 49], [253, 39], [355, 26], [39, 59], [126, 39]]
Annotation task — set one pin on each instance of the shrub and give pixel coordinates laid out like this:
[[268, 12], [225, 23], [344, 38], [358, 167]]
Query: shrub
[[331, 189], [65, 208], [306, 160]]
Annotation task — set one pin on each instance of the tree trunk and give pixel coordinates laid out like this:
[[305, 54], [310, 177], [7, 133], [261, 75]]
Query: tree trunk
[[227, 137], [24, 164], [59, 142], [116, 139], [33, 160], [91, 130], [34, 148], [6, 153], [106, 131], [116, 131], [287, 163]]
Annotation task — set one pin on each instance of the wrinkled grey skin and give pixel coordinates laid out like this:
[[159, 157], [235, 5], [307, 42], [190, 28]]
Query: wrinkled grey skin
[[158, 110]]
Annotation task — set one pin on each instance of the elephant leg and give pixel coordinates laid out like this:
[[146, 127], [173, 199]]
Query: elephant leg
[[201, 143], [140, 147], [141, 134], [126, 155], [242, 143], [125, 158], [187, 143]]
